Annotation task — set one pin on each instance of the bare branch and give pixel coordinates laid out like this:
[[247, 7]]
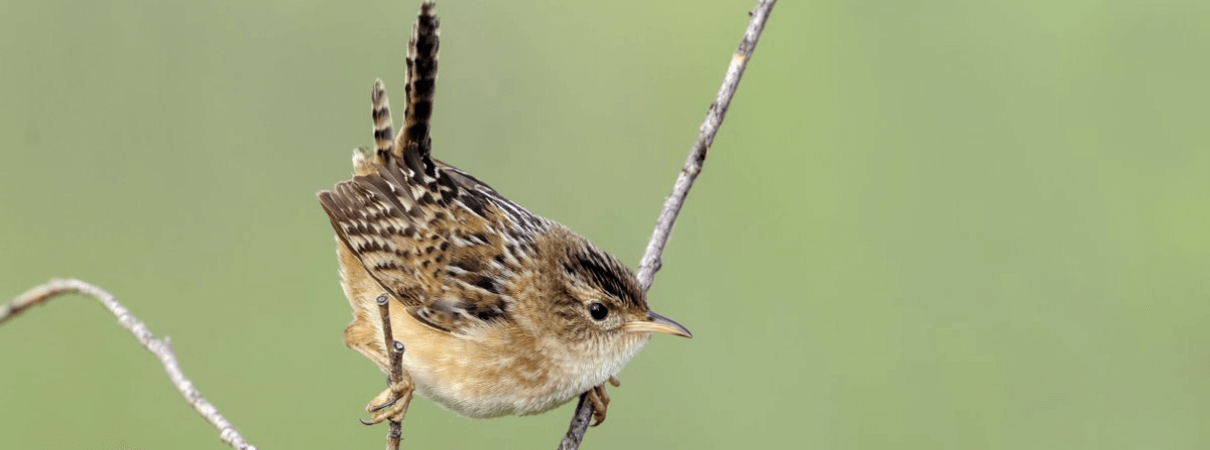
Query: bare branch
[[579, 424], [158, 347], [651, 261], [395, 428], [697, 155]]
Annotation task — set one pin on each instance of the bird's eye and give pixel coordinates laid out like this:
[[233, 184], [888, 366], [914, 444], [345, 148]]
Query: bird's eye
[[597, 311]]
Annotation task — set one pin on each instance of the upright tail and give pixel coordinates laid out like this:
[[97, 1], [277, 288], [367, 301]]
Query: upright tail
[[422, 84]]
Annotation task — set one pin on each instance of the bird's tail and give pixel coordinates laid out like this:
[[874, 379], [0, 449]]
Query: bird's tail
[[422, 83]]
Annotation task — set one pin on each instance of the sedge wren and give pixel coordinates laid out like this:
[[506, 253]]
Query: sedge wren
[[500, 311]]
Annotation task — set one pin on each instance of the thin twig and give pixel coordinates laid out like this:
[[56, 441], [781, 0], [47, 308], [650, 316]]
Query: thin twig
[[395, 348], [579, 424], [697, 156], [651, 261], [158, 347]]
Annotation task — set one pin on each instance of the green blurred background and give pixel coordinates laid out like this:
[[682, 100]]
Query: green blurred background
[[924, 225]]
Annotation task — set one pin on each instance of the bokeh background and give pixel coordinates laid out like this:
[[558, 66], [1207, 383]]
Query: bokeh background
[[924, 225]]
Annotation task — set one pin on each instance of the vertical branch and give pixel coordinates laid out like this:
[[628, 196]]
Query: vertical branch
[[651, 261], [395, 430]]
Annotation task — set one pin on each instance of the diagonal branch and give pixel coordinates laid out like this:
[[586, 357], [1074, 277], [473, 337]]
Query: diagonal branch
[[697, 156], [651, 261], [158, 347]]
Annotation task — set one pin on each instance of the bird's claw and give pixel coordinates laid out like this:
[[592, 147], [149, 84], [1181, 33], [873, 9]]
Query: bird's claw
[[391, 404], [600, 400]]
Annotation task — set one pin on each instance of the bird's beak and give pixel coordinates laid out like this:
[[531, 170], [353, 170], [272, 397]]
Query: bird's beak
[[656, 323]]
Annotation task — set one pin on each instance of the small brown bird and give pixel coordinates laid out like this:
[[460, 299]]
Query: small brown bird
[[500, 311]]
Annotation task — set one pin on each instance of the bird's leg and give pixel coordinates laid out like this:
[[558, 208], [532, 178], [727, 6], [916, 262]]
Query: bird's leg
[[392, 403], [600, 400]]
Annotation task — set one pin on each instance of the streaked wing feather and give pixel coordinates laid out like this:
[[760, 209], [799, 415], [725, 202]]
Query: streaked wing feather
[[439, 244]]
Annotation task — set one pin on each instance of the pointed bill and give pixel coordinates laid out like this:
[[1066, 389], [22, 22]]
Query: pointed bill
[[656, 323]]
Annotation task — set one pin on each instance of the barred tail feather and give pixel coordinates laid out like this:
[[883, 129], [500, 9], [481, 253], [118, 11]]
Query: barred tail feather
[[422, 82], [381, 113]]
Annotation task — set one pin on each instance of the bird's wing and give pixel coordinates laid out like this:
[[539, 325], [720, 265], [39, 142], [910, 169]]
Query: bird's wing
[[441, 242]]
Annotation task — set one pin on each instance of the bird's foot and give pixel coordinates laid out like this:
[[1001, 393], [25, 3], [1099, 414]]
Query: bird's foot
[[600, 400], [391, 404]]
